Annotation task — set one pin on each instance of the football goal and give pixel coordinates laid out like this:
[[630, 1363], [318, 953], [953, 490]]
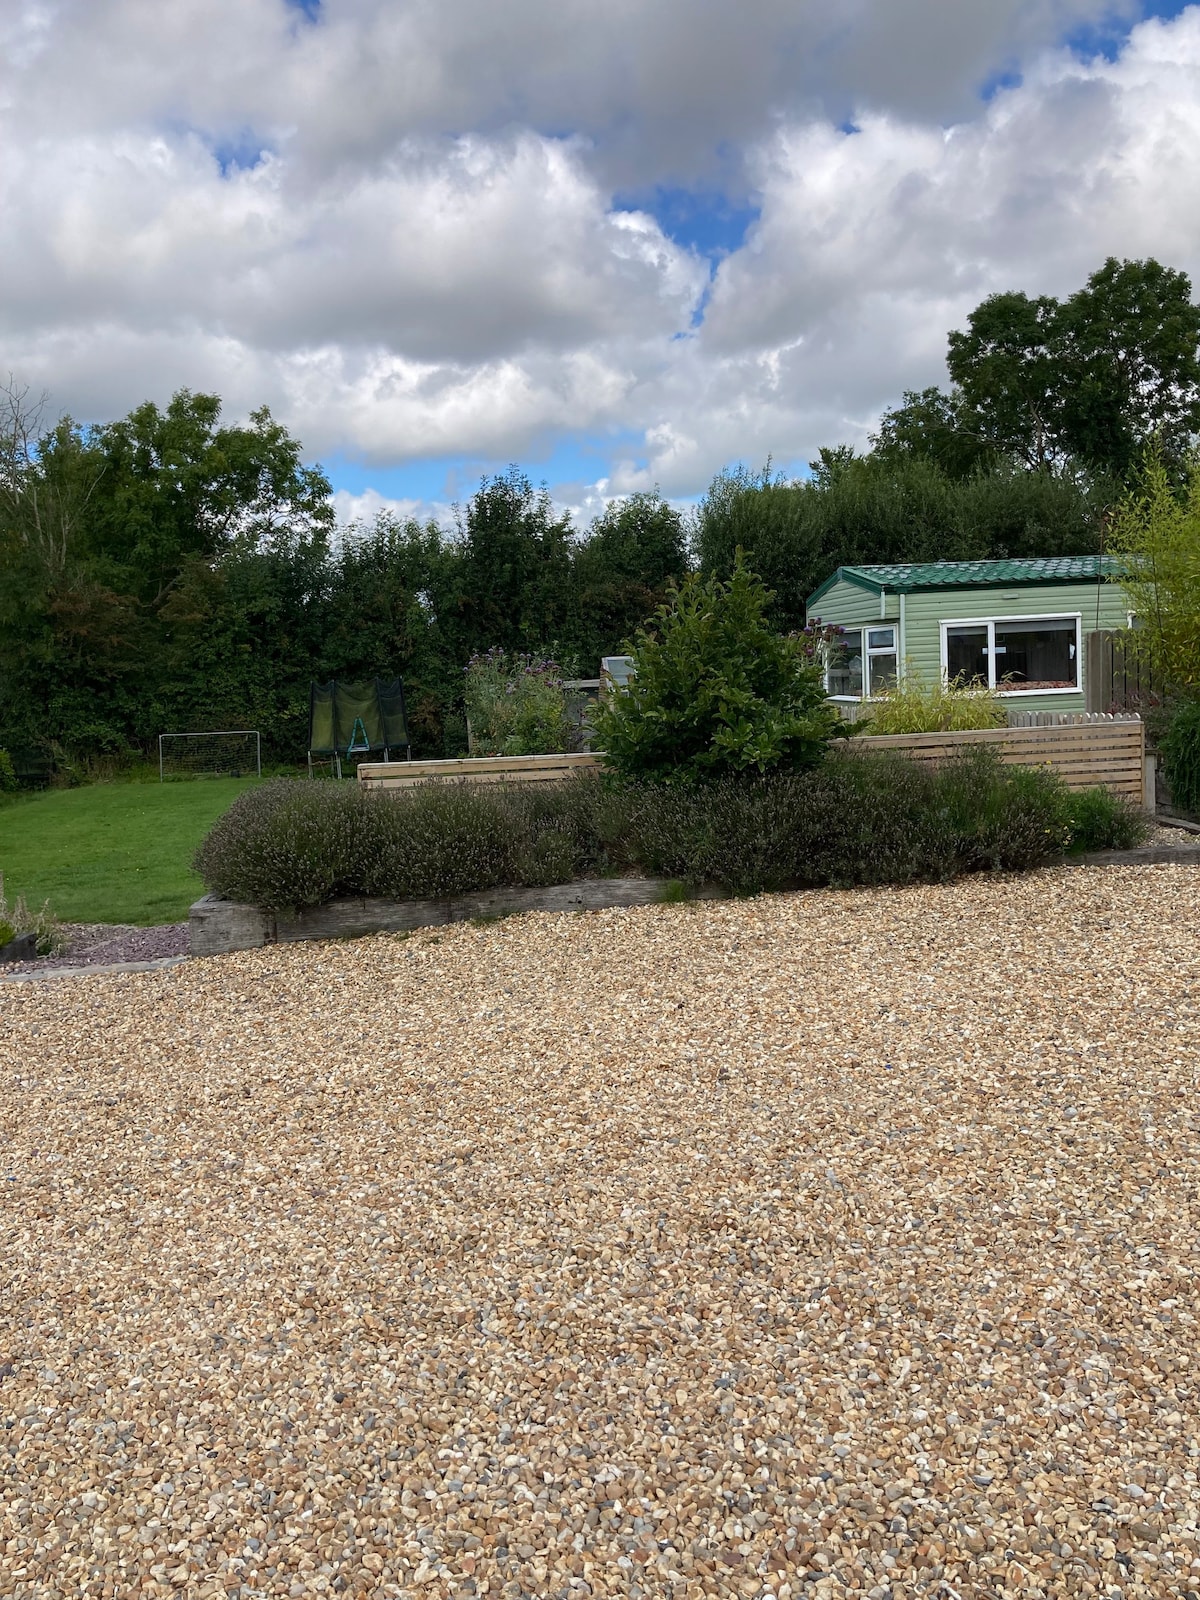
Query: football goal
[[225, 753]]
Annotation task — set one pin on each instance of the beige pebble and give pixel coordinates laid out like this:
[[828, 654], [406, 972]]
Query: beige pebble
[[815, 1244]]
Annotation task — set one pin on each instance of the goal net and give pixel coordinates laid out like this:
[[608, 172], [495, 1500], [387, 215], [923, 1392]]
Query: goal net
[[235, 753]]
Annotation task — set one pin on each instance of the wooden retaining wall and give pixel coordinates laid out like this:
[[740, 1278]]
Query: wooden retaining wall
[[1086, 754]]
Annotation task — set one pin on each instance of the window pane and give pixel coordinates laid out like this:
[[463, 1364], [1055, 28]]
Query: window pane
[[845, 664], [1036, 655], [966, 654], [881, 638], [883, 672]]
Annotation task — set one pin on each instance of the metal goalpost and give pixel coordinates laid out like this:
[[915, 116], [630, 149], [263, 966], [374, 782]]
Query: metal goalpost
[[207, 754]]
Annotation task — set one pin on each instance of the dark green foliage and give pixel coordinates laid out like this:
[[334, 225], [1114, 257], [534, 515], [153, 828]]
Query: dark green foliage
[[1102, 820], [715, 690], [8, 774], [855, 819], [292, 843], [1090, 379], [167, 572], [931, 426], [623, 569], [1181, 755], [514, 585], [887, 508]]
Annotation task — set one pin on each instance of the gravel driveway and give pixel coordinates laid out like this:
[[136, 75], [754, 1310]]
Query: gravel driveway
[[819, 1244]]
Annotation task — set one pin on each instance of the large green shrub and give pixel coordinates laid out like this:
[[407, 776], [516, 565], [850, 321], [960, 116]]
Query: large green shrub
[[515, 706], [1181, 755], [715, 691]]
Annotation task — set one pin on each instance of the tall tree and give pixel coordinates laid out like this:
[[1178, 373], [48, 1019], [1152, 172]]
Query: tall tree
[[1008, 370], [1088, 380], [929, 425], [1130, 359], [515, 588], [623, 567]]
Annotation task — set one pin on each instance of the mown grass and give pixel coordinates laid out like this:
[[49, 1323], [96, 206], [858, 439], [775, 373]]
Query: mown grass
[[112, 852]]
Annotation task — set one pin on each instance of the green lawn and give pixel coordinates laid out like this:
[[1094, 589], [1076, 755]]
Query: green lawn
[[111, 852]]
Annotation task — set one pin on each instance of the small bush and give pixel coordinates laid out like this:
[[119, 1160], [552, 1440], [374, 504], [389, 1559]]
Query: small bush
[[915, 705], [7, 934], [1101, 820], [516, 706], [857, 819], [50, 937], [715, 691], [8, 774], [1181, 755], [293, 843]]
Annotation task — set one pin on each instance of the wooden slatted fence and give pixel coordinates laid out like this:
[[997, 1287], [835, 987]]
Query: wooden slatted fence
[[1088, 753], [1085, 751], [481, 769]]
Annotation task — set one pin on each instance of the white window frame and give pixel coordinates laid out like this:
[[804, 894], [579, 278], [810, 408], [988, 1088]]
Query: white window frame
[[868, 654], [991, 624]]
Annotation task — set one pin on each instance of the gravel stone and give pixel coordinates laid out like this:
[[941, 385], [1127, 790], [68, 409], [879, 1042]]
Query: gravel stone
[[735, 1248], [102, 944]]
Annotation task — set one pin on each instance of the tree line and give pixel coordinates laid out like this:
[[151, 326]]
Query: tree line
[[170, 571]]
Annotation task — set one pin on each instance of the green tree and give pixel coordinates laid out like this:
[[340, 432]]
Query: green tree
[[1130, 358], [716, 690], [931, 426], [113, 537], [1088, 380], [1007, 367], [1156, 529], [515, 578], [622, 568], [177, 485]]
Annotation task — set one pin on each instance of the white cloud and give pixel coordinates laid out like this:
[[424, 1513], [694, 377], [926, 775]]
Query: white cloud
[[428, 260]]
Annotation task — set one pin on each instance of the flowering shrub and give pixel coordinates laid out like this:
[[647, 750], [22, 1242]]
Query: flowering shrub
[[515, 705]]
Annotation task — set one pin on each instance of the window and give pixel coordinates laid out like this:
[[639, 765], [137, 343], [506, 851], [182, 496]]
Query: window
[[1014, 655], [853, 672]]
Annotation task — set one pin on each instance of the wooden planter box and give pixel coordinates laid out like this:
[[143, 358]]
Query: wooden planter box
[[482, 769]]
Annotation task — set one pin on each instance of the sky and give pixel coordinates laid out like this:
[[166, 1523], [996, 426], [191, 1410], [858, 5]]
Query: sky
[[622, 243]]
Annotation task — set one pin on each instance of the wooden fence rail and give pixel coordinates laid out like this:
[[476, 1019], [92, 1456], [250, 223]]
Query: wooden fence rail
[[1085, 754], [1085, 750], [481, 769]]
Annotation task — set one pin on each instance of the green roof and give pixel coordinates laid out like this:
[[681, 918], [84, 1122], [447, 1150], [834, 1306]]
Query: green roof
[[903, 579]]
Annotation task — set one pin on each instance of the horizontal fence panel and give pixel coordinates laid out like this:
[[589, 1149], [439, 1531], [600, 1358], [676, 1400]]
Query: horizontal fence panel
[[1086, 754], [481, 769], [1108, 752]]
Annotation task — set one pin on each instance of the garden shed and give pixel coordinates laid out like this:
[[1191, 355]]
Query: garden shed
[[1016, 626]]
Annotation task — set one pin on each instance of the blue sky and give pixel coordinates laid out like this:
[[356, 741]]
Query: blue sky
[[596, 240]]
